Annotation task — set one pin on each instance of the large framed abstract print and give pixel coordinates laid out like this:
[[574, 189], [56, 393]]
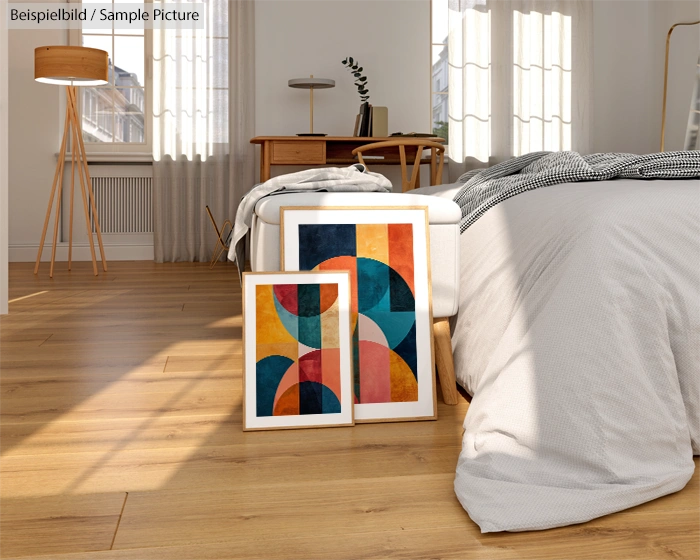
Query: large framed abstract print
[[297, 350], [386, 251]]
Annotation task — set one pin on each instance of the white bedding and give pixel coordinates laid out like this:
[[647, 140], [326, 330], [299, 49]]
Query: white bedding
[[579, 336]]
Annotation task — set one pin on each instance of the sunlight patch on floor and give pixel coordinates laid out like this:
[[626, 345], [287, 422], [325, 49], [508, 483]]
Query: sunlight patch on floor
[[139, 404], [232, 321], [26, 297]]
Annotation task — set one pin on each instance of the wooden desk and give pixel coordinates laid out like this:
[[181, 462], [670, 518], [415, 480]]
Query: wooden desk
[[326, 150]]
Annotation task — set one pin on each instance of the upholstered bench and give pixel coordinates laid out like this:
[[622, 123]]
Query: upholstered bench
[[443, 217]]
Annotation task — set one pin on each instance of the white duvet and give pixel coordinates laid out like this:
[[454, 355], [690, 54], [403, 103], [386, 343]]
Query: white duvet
[[579, 337]]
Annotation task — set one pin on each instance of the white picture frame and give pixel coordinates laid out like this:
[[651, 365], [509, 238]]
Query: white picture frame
[[297, 370], [306, 232]]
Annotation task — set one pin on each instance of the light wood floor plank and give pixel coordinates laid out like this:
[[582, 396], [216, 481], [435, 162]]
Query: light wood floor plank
[[288, 509], [661, 536], [56, 524], [193, 398], [223, 467]]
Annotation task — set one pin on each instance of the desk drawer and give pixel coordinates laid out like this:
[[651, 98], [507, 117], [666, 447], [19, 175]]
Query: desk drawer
[[299, 152]]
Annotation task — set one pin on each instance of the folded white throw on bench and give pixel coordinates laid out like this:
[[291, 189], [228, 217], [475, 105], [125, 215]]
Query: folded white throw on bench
[[355, 178]]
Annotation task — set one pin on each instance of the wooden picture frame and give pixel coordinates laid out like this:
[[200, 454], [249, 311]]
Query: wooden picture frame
[[387, 251], [297, 350]]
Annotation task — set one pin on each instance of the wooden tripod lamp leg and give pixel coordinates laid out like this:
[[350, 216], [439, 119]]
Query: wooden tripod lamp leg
[[88, 181], [58, 213], [56, 178], [73, 142], [76, 133]]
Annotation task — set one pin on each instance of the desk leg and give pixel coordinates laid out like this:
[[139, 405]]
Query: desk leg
[[264, 162]]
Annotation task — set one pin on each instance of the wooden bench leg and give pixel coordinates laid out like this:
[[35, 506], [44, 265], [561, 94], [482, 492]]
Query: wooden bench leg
[[444, 361]]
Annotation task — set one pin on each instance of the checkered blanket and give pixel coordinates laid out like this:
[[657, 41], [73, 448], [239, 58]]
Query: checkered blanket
[[484, 188]]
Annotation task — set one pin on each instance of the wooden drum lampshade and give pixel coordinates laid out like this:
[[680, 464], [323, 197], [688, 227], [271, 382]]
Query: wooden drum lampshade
[[72, 66]]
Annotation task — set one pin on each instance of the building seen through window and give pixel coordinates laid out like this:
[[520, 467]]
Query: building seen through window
[[115, 113], [439, 82], [440, 90]]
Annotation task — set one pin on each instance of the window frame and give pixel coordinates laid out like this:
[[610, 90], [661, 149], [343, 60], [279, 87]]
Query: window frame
[[433, 93], [123, 151]]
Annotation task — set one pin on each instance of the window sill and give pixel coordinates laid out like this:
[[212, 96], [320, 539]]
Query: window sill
[[116, 157]]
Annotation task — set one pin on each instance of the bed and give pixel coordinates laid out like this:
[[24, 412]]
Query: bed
[[578, 335]]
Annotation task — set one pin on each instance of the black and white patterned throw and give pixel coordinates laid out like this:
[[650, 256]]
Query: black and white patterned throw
[[485, 188]]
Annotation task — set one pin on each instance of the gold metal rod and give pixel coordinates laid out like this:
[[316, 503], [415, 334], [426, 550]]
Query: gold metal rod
[[663, 110], [311, 97]]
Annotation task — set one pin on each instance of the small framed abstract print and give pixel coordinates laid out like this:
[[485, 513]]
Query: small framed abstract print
[[297, 350], [386, 251]]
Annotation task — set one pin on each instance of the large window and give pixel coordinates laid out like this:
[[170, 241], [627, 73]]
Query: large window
[[439, 80], [503, 76], [116, 116]]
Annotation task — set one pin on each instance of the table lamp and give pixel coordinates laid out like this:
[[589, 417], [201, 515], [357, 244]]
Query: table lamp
[[311, 84], [663, 110], [71, 67]]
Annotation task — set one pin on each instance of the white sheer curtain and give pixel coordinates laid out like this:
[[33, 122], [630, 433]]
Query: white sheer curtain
[[519, 79], [203, 110]]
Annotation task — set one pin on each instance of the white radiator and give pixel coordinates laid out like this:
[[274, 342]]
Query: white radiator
[[124, 204]]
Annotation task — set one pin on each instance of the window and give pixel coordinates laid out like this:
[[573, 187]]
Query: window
[[116, 116], [439, 81], [527, 101]]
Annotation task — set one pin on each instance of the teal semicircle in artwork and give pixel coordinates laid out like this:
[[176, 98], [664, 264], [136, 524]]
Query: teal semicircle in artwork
[[268, 374]]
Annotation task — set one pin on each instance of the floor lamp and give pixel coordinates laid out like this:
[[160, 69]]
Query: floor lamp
[[71, 67]]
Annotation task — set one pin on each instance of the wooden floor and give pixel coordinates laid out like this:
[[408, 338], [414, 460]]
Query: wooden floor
[[121, 438]]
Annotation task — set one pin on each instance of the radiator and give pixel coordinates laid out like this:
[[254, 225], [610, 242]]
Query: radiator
[[124, 204]]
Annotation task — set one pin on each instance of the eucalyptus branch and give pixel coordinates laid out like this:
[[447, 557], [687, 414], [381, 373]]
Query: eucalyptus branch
[[360, 80]]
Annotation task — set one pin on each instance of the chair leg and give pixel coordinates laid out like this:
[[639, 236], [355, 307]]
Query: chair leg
[[444, 360]]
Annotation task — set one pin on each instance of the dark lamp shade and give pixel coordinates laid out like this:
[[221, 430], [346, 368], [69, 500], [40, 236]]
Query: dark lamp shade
[[71, 66], [309, 83]]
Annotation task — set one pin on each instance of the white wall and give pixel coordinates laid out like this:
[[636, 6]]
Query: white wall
[[35, 130], [622, 77], [4, 240], [297, 38], [628, 64], [683, 58]]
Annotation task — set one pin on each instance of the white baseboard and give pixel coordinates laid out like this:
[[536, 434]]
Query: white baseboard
[[81, 252]]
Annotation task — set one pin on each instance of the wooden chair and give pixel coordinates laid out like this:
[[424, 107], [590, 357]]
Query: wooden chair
[[221, 238], [437, 158]]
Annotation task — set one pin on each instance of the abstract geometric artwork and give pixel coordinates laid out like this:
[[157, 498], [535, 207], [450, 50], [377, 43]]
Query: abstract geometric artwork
[[385, 252], [297, 350]]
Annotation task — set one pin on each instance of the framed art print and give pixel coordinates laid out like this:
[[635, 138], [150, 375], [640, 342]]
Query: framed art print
[[297, 350], [386, 251]]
